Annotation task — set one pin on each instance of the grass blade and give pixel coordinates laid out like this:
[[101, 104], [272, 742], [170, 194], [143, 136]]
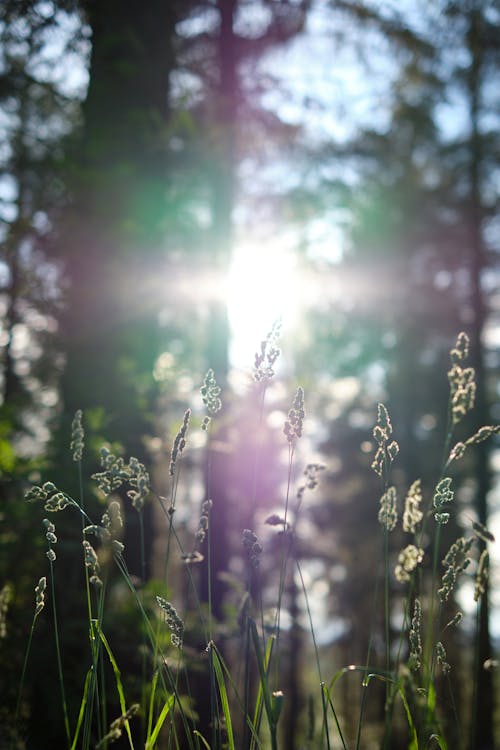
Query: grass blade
[[205, 743], [82, 708], [414, 739], [223, 696], [159, 723], [118, 679]]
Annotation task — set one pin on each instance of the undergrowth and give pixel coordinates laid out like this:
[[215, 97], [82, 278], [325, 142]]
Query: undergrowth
[[246, 704]]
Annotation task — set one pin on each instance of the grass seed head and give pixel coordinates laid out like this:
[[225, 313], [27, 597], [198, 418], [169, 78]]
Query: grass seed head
[[441, 658], [388, 514], [412, 515], [461, 379], [179, 442], [210, 393], [77, 436], [482, 575], [296, 415], [269, 352], [408, 560], [40, 595], [415, 658], [5, 599], [455, 562], [173, 621], [387, 449]]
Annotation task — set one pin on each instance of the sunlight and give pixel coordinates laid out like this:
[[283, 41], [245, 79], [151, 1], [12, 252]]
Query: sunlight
[[263, 285]]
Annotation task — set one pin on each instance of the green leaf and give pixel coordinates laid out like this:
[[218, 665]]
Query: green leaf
[[159, 722], [414, 739], [205, 743], [118, 679], [223, 695], [82, 708]]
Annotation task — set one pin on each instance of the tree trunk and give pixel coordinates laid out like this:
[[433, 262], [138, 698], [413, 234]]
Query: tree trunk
[[482, 724]]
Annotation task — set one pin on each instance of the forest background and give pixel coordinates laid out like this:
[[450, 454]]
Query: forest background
[[175, 177]]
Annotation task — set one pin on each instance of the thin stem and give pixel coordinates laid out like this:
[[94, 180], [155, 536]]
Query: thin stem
[[23, 673], [284, 560], [318, 664], [473, 721], [58, 654]]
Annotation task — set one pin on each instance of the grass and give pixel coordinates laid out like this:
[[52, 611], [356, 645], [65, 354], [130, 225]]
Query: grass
[[248, 702]]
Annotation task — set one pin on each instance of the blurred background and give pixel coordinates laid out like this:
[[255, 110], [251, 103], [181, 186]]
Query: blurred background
[[175, 177]]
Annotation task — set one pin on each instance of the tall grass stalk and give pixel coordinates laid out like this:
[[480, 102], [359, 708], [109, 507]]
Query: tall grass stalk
[[58, 656]]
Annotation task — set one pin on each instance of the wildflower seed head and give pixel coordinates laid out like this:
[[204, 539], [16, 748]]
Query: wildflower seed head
[[408, 560], [90, 557], [101, 532], [415, 657], [173, 621], [388, 515], [5, 599], [77, 436], [266, 358], [441, 658], [296, 415], [57, 502], [455, 562], [462, 386], [191, 558], [311, 479], [116, 727], [210, 393], [482, 575], [457, 452], [482, 532], [460, 351], [35, 493], [203, 522], [412, 515], [392, 450], [115, 472], [40, 595], [51, 555], [252, 546], [139, 481], [387, 449], [44, 493], [443, 493], [483, 434], [490, 664], [456, 620], [114, 514], [384, 421], [179, 442]]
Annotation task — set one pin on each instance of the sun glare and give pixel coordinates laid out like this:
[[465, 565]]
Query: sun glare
[[263, 285]]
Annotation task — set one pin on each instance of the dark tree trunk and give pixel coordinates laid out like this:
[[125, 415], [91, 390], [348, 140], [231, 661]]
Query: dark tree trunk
[[482, 726], [217, 351]]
